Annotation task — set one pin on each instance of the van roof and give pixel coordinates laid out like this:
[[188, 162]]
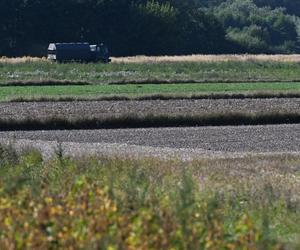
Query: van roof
[[66, 46]]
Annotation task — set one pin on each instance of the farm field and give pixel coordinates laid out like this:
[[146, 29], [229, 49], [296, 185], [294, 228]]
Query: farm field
[[198, 152], [147, 113]]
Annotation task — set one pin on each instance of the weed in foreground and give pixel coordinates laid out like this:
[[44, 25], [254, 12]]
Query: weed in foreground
[[101, 203]]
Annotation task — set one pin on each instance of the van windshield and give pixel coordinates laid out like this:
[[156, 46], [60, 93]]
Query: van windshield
[[93, 47]]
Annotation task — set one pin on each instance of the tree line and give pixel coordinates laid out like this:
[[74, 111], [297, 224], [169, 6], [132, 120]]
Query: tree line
[[151, 27]]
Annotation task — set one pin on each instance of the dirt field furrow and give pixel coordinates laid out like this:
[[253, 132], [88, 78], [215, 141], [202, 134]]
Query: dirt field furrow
[[83, 109]]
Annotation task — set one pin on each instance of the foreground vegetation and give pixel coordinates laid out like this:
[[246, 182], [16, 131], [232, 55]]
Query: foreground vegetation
[[100, 203]]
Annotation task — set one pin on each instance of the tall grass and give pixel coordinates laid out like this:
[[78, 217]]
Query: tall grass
[[102, 203], [149, 120], [204, 96]]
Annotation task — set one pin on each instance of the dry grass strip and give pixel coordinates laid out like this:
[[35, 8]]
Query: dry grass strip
[[207, 58], [186, 58], [25, 59]]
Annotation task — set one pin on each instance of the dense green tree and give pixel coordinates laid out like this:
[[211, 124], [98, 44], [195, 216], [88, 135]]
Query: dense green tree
[[151, 27], [258, 29], [291, 6]]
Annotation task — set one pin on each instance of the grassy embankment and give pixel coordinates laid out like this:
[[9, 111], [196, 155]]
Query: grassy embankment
[[97, 203]]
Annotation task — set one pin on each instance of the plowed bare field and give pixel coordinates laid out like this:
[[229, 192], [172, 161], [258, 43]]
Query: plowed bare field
[[100, 109]]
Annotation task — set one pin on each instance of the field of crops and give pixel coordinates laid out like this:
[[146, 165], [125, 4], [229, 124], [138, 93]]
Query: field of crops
[[153, 162]]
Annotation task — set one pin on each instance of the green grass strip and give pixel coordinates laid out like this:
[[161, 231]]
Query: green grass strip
[[133, 121], [246, 71], [8, 93]]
